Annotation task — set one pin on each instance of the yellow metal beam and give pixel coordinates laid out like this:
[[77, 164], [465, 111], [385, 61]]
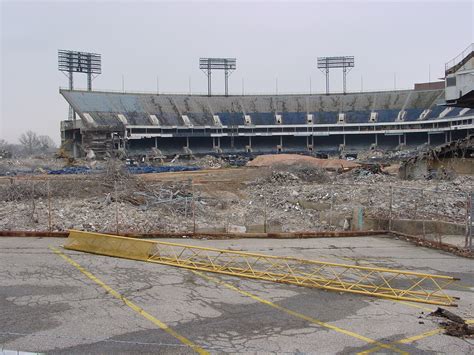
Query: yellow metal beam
[[370, 281]]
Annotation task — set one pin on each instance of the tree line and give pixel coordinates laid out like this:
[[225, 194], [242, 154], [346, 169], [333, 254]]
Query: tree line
[[30, 144]]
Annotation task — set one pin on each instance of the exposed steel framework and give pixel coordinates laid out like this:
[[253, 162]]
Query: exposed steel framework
[[369, 281], [79, 62], [326, 63], [226, 64], [71, 62]]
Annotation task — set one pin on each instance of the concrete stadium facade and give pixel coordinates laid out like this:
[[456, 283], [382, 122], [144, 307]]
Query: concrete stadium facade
[[259, 124]]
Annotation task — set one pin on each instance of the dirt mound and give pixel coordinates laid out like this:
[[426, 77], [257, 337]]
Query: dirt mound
[[302, 160]]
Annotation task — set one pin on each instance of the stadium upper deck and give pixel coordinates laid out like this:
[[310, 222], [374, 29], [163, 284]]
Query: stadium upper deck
[[192, 123], [115, 110]]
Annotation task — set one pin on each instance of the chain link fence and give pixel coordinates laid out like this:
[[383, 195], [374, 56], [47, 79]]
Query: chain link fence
[[115, 202]]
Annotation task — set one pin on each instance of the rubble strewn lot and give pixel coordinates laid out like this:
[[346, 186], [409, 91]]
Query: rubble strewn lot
[[281, 192]]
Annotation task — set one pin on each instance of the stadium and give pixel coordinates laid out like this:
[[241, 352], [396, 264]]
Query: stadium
[[274, 215], [260, 124]]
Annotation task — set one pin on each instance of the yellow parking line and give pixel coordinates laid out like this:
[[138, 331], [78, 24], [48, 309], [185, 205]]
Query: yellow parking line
[[131, 305], [406, 340], [413, 338], [420, 336], [300, 315]]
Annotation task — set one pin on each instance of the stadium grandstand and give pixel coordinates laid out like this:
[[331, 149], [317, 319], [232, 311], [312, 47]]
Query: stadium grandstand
[[197, 124]]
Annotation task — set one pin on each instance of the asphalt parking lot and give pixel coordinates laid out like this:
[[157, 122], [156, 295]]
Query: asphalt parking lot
[[59, 301]]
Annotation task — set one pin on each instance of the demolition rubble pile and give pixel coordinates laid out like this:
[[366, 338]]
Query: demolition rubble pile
[[278, 160], [279, 193]]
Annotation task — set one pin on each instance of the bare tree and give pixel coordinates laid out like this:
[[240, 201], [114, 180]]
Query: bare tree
[[46, 143], [30, 142]]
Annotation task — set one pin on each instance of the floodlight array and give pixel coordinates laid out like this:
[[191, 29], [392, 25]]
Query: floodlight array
[[79, 62], [218, 63], [335, 62]]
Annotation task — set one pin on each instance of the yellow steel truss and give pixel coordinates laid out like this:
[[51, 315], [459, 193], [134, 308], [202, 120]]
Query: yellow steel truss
[[370, 281]]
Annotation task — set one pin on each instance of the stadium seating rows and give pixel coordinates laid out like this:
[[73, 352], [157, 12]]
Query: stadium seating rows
[[103, 108]]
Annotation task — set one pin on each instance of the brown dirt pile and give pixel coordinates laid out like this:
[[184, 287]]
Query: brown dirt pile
[[295, 159]]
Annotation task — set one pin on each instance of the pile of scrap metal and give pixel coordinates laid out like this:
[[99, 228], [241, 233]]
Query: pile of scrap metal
[[441, 162]]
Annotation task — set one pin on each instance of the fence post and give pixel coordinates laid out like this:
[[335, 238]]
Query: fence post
[[330, 210], [116, 208], [265, 213], [423, 219], [416, 207], [50, 225], [368, 195], [194, 207], [185, 207], [390, 209], [469, 217], [33, 204]]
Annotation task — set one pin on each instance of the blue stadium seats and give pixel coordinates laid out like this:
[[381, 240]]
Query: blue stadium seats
[[325, 117], [435, 111], [294, 117], [357, 116], [454, 112], [387, 115], [137, 108], [231, 118], [412, 114], [200, 119], [262, 118], [469, 112], [137, 118]]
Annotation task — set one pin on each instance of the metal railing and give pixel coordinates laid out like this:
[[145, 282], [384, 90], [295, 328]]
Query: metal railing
[[470, 223], [458, 59], [239, 93]]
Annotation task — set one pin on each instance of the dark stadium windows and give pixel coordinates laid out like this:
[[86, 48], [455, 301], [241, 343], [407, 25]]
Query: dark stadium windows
[[451, 81]]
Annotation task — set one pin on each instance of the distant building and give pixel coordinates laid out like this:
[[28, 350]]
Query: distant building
[[434, 85]]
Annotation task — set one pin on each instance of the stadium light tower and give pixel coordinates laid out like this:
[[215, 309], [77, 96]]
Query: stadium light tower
[[326, 63], [80, 62], [226, 64]]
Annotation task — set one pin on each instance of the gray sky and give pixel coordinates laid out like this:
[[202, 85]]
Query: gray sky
[[143, 40]]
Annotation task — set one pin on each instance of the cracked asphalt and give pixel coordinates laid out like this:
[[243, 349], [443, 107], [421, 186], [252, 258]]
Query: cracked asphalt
[[48, 305]]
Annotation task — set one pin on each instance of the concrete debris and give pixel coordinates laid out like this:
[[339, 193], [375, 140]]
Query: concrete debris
[[442, 162], [90, 155], [150, 205], [282, 174], [278, 192], [211, 162], [455, 325]]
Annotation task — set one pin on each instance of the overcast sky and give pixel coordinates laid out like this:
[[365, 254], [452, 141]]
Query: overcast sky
[[145, 40]]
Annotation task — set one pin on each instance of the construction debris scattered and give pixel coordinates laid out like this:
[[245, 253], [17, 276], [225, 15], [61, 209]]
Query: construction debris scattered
[[272, 193], [454, 325]]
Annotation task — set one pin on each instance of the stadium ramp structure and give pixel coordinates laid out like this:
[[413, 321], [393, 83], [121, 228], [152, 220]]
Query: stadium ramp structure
[[369, 281]]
